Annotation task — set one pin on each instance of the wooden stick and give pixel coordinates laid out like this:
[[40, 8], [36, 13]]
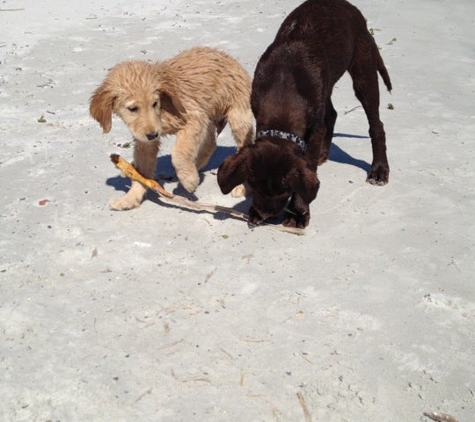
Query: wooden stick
[[130, 171], [440, 417], [306, 413], [133, 174]]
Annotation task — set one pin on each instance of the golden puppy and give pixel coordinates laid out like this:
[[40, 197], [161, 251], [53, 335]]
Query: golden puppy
[[192, 95]]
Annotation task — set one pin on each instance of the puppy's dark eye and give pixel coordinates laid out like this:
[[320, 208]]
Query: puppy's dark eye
[[133, 109], [155, 104]]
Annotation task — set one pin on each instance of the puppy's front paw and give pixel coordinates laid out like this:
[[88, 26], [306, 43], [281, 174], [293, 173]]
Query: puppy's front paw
[[239, 191], [189, 181], [126, 202]]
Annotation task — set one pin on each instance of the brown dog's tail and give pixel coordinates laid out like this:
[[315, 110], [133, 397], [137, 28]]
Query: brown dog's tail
[[384, 73]]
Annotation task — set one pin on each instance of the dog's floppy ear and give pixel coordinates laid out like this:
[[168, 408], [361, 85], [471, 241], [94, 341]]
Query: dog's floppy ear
[[233, 171], [304, 182], [170, 103], [100, 106]]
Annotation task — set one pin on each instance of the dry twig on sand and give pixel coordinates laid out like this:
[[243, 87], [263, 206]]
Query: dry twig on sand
[[133, 174], [440, 417], [308, 417]]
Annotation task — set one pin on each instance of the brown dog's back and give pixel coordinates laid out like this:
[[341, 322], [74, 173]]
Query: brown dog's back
[[336, 29]]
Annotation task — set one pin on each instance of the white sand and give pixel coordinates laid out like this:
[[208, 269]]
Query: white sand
[[160, 314]]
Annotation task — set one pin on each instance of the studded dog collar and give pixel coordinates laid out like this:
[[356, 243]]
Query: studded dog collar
[[283, 135]]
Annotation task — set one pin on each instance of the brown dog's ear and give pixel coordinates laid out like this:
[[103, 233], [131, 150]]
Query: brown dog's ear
[[100, 107], [171, 104], [233, 171], [304, 182]]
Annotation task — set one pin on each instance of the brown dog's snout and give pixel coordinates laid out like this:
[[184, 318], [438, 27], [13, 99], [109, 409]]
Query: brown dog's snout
[[267, 207]]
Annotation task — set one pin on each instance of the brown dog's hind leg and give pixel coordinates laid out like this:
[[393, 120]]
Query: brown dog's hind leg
[[365, 84]]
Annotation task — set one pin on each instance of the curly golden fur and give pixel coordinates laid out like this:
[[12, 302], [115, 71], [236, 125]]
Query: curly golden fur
[[192, 95]]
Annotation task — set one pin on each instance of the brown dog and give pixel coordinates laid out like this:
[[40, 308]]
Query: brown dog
[[291, 101], [192, 95]]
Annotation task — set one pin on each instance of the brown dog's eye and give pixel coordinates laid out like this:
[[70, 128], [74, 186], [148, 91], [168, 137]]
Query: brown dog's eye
[[133, 109], [155, 104]]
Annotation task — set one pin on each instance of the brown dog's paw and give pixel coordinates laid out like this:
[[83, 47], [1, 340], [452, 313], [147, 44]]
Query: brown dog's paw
[[378, 175], [254, 218], [296, 220]]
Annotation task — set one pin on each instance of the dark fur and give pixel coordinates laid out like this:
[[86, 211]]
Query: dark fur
[[291, 92]]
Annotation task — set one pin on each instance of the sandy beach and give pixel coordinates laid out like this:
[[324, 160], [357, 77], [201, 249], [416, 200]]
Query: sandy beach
[[162, 314]]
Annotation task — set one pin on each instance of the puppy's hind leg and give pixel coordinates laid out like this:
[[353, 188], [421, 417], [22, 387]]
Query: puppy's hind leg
[[241, 122], [207, 147], [145, 158]]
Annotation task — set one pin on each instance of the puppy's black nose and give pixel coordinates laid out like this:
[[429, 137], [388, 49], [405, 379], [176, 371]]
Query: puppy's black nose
[[152, 136]]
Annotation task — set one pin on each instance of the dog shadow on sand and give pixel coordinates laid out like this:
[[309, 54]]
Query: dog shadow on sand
[[165, 173], [339, 156]]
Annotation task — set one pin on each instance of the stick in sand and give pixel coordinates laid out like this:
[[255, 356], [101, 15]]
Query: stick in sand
[[133, 174], [306, 413], [440, 417]]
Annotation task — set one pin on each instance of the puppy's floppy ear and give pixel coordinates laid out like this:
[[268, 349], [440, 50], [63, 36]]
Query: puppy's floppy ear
[[303, 181], [170, 103], [100, 106], [233, 171]]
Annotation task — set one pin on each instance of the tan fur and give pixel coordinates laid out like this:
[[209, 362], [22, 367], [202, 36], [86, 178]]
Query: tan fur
[[192, 95]]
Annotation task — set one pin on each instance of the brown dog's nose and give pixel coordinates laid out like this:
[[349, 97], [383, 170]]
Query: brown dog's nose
[[152, 136]]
